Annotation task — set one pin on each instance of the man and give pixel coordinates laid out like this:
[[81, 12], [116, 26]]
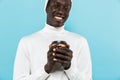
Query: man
[[42, 55]]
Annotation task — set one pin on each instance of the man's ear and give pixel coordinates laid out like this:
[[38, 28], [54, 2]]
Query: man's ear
[[47, 6], [46, 9]]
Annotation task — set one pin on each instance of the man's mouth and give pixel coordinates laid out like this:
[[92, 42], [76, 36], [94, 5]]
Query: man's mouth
[[58, 18]]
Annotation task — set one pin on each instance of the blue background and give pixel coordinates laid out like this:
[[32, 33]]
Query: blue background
[[97, 20]]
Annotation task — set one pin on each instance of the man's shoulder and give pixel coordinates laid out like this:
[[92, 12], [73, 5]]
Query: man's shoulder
[[76, 36], [31, 36]]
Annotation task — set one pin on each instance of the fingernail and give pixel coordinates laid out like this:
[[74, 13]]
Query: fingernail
[[54, 59], [53, 54], [54, 49]]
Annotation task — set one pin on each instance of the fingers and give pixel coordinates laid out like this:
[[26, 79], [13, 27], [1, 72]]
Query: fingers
[[64, 51], [56, 57], [52, 48], [62, 57], [59, 53], [62, 61], [50, 57]]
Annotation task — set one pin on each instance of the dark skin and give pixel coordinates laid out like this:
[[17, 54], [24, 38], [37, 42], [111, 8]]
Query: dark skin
[[58, 54], [57, 14], [59, 8]]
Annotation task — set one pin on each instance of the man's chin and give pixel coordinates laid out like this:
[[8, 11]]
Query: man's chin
[[58, 23]]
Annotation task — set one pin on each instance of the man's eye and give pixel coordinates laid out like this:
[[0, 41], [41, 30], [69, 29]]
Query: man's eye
[[67, 8], [57, 5]]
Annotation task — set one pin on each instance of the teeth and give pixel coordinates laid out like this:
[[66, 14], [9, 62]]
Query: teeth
[[59, 18]]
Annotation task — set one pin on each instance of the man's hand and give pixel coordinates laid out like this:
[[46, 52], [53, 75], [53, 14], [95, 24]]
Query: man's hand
[[63, 55], [50, 60], [58, 53]]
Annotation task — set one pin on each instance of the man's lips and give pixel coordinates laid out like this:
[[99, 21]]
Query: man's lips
[[58, 18]]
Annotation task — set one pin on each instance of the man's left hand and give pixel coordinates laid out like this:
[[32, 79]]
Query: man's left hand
[[64, 56]]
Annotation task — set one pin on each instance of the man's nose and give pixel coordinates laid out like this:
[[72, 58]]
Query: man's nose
[[61, 8], [60, 12]]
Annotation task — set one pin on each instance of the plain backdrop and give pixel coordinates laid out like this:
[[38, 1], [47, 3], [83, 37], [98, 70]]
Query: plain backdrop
[[97, 20]]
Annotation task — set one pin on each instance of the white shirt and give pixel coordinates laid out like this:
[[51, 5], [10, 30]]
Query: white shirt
[[32, 56]]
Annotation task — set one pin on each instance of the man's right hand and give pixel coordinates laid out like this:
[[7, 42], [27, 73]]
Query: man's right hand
[[50, 60], [58, 57]]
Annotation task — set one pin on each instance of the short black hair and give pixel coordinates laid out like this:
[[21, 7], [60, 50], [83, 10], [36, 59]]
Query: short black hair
[[48, 3]]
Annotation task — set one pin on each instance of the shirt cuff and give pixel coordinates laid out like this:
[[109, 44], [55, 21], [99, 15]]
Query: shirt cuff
[[41, 74]]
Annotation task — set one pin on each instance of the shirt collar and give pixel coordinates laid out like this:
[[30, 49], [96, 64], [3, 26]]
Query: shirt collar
[[51, 29]]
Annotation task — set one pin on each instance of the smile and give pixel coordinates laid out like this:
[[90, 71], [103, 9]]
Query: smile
[[58, 18]]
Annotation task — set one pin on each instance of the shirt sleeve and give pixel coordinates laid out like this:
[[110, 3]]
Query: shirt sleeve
[[83, 69], [22, 68]]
